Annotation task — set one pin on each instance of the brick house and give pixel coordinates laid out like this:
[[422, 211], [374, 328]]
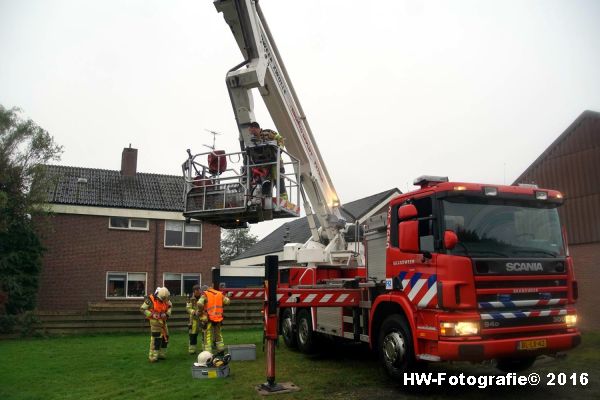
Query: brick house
[[570, 164], [117, 235]]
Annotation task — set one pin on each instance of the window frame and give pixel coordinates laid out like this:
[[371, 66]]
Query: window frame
[[129, 227], [183, 246], [433, 218], [126, 273], [181, 280]]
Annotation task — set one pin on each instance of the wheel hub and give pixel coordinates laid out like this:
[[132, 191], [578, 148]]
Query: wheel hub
[[287, 327], [394, 348], [303, 331]]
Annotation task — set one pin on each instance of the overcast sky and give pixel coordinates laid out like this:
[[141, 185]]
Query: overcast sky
[[475, 90]]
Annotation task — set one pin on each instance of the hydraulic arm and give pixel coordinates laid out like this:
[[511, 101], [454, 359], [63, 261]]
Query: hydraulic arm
[[263, 69]]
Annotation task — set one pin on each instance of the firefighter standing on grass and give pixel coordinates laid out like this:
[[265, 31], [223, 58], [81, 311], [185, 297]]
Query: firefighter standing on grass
[[194, 309], [157, 309], [212, 302]]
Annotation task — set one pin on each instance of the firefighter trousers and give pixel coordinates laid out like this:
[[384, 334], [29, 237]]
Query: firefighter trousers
[[159, 339], [193, 331], [213, 335]]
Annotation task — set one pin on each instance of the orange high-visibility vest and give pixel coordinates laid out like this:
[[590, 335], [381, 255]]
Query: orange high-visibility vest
[[214, 305], [158, 306]]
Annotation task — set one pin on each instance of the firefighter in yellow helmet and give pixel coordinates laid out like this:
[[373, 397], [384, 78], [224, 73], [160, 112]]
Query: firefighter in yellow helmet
[[212, 302], [194, 310], [157, 309]]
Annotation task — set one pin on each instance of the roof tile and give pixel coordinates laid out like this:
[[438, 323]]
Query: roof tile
[[108, 188]]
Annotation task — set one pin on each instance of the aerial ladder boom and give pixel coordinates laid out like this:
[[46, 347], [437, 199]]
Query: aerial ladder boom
[[264, 70]]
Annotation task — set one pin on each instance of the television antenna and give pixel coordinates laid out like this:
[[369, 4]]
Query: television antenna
[[215, 134]]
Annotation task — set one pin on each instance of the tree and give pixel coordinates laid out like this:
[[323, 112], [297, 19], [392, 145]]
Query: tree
[[234, 242], [24, 149]]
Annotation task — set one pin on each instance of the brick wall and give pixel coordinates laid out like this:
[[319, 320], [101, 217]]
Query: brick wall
[[586, 259], [81, 249]]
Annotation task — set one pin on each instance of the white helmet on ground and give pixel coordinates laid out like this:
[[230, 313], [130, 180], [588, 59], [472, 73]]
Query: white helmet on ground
[[204, 359], [163, 293]]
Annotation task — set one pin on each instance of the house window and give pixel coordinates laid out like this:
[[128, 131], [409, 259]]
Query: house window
[[128, 223], [125, 284], [180, 234], [180, 284]]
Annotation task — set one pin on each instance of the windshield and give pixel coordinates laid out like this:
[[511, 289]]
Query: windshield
[[501, 228]]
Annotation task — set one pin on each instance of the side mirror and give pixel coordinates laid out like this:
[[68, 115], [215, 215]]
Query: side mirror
[[409, 236], [450, 239], [407, 211]]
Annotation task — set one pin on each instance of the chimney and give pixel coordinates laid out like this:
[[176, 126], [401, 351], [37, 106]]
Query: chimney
[[129, 161]]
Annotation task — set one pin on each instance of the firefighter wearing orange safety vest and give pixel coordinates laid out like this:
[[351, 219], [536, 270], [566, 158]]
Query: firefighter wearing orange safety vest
[[157, 309], [213, 301]]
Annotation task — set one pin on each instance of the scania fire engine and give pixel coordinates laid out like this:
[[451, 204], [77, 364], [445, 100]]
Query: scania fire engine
[[452, 270]]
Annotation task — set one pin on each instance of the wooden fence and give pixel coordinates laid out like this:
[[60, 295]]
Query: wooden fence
[[124, 316]]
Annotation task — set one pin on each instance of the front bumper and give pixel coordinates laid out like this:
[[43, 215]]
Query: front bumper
[[480, 350]]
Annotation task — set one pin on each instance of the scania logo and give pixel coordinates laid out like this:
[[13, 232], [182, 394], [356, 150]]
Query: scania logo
[[524, 266]]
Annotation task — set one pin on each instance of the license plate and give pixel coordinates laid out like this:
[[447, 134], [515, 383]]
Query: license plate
[[532, 344]]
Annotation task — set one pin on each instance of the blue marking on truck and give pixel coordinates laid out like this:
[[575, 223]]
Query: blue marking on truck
[[415, 279]]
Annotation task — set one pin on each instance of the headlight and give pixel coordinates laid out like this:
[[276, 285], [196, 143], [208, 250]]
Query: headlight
[[571, 320], [462, 328]]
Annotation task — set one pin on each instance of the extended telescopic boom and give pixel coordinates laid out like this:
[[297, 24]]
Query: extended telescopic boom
[[264, 70]]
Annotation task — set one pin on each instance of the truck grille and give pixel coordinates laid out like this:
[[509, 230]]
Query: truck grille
[[518, 301], [518, 292]]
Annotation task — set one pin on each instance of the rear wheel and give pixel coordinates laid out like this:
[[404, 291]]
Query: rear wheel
[[515, 364], [306, 335], [395, 346], [287, 329]]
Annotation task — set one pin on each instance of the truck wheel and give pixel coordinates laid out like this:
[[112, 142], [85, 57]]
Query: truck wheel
[[287, 329], [395, 346], [515, 364], [306, 336]]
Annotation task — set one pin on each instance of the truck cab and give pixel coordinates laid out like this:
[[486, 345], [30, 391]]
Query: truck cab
[[478, 272]]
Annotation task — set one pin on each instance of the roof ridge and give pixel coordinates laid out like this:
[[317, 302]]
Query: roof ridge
[[108, 170]]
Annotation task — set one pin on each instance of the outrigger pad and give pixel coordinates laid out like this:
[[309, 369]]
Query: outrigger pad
[[284, 387]]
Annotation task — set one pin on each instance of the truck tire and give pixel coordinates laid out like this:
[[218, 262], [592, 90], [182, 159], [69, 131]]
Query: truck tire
[[306, 336], [515, 364], [395, 346], [288, 329]]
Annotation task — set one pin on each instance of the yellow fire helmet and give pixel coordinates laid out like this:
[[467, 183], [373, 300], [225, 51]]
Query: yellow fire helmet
[[163, 293]]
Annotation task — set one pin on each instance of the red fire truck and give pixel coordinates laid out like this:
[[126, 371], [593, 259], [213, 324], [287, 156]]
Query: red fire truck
[[452, 271]]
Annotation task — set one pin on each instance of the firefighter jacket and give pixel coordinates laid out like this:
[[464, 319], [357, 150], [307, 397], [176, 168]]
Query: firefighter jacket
[[213, 302], [155, 309], [268, 134], [191, 306]]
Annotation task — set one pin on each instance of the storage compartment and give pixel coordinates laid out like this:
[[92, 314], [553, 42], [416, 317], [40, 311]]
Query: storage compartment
[[376, 241], [242, 352], [210, 372]]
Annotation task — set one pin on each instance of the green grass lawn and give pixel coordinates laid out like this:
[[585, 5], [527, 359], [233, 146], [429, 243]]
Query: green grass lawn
[[115, 367]]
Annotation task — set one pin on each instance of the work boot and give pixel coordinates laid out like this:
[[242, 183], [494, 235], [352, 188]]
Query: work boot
[[153, 356], [162, 354], [192, 349]]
